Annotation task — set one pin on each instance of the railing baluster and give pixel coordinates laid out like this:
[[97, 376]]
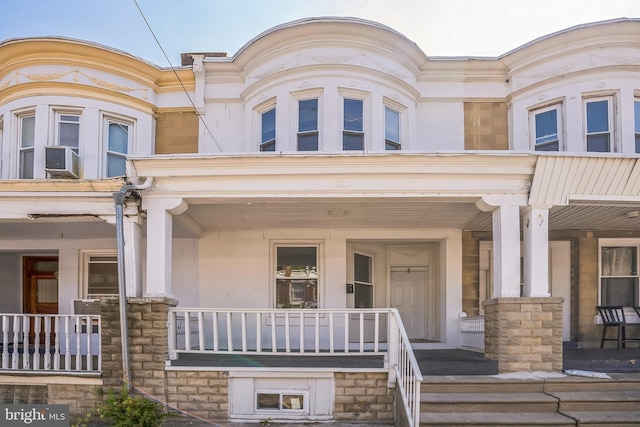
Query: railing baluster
[[301, 332], [243, 326], [47, 341], [36, 342], [287, 335], [346, 332], [56, 345], [258, 332], [78, 327], [229, 332], [331, 343], [67, 334], [173, 335], [201, 330], [274, 343], [317, 332], [5, 342], [361, 332], [26, 345], [376, 331], [187, 330], [88, 358], [15, 355], [216, 337]]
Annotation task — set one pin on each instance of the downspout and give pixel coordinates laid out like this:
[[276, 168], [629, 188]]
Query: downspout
[[120, 198]]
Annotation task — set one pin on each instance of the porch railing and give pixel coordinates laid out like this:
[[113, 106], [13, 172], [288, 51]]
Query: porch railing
[[303, 333], [472, 332], [60, 343]]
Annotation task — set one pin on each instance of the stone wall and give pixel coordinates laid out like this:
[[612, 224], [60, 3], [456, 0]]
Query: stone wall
[[363, 396], [524, 334], [485, 126], [176, 132], [203, 394]]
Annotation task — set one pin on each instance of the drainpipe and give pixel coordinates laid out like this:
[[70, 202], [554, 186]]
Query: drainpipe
[[120, 198]]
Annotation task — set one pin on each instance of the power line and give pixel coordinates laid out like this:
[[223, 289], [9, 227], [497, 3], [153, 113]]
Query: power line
[[177, 76]]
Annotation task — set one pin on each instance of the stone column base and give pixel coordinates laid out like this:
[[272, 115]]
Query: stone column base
[[524, 334]]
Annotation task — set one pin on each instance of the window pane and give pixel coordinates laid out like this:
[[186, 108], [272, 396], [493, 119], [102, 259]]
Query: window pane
[[118, 137], [116, 165], [308, 142], [268, 126], [620, 291], [547, 126], [619, 261], [26, 164], [102, 277], [391, 125], [550, 146], [390, 145], [268, 401], [296, 277], [363, 296], [637, 143], [28, 131], [308, 115], [269, 146], [353, 115], [598, 116], [46, 290], [598, 143], [295, 401], [352, 141], [636, 106], [69, 130], [362, 268]]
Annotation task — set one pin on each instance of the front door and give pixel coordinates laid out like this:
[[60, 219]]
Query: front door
[[40, 289], [408, 296]]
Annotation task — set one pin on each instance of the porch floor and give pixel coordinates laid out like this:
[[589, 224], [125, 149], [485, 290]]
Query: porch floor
[[432, 362]]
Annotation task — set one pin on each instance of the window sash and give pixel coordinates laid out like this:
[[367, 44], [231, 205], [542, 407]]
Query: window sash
[[391, 129], [102, 275], [69, 131], [27, 143], [118, 141], [308, 125], [546, 130], [619, 275], [598, 125], [636, 111], [268, 130], [353, 134], [296, 277]]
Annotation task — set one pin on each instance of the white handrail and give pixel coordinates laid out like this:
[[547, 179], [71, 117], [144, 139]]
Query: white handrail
[[51, 342]]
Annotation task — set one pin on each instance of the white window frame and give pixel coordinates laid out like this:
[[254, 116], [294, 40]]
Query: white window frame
[[387, 141], [303, 410], [20, 116], [610, 118], [58, 119], [362, 131], [108, 119], [263, 109], [85, 257], [534, 112], [294, 117], [273, 266], [623, 242]]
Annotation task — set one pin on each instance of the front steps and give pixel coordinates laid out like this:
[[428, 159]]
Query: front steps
[[506, 401]]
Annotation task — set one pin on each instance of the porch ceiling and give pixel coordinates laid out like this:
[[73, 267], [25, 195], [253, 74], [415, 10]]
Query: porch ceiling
[[331, 213]]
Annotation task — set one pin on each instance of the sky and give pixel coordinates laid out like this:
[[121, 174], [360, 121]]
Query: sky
[[439, 27]]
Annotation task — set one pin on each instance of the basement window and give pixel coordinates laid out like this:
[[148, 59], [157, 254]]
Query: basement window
[[270, 401]]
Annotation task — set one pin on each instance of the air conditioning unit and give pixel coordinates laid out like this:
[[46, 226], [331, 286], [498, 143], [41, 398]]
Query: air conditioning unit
[[61, 161]]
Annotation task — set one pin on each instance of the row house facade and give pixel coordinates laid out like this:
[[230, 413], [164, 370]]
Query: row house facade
[[329, 187]]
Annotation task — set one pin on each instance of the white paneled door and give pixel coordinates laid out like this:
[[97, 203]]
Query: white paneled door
[[408, 287]]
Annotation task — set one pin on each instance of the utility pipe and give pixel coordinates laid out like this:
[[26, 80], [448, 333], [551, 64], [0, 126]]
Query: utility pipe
[[120, 197]]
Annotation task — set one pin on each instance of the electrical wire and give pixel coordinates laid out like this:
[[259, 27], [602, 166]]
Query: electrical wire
[[177, 76]]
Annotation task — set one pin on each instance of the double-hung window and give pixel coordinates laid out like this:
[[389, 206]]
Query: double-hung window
[[27, 125], [68, 130], [598, 112], [636, 111], [268, 130], [118, 136], [363, 280], [619, 274], [391, 129], [296, 277], [545, 128], [353, 133], [308, 125], [101, 274]]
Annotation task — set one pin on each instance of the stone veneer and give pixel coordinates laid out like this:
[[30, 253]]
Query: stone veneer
[[363, 396], [524, 334]]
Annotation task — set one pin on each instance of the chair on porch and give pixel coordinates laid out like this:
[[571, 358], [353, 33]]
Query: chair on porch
[[613, 317]]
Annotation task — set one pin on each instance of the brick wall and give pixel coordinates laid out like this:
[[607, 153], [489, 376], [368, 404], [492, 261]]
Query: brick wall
[[202, 394], [363, 396], [176, 132], [524, 334], [485, 126]]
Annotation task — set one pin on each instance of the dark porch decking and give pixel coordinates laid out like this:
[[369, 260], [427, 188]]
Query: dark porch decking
[[432, 362]]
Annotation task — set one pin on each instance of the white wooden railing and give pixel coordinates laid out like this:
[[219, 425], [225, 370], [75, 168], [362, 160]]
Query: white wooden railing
[[60, 343], [303, 333], [471, 332]]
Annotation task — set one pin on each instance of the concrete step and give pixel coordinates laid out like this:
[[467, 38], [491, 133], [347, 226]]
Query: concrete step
[[480, 384], [488, 402], [617, 382], [614, 401], [495, 419], [605, 418]]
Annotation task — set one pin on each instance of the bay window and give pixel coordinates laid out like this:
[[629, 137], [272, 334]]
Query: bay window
[[599, 124], [296, 277], [619, 274]]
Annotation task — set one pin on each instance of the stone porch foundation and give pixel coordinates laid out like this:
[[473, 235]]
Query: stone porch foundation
[[524, 334]]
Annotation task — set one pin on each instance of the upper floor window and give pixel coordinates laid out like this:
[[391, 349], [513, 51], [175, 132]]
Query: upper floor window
[[598, 124], [118, 143], [27, 124], [619, 275], [353, 133], [545, 128], [636, 106], [268, 130], [391, 129], [68, 130], [308, 125]]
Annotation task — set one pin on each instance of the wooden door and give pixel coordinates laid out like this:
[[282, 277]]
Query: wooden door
[[40, 290]]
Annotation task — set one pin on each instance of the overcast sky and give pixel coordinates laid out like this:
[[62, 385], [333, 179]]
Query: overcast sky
[[439, 27]]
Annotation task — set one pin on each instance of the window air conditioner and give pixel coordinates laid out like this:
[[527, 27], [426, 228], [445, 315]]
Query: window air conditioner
[[61, 161]]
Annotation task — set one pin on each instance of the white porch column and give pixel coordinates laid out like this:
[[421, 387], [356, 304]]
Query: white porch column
[[159, 239], [535, 228], [132, 257], [506, 242]]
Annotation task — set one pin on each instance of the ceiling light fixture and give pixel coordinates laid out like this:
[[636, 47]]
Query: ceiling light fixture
[[337, 212]]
